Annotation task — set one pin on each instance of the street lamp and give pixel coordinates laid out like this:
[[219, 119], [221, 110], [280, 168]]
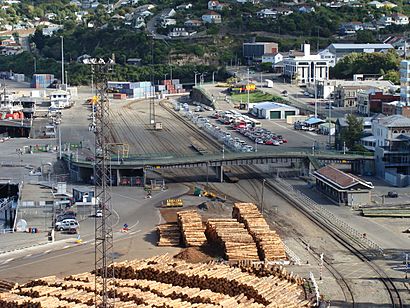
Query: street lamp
[[262, 194], [213, 77], [196, 74], [165, 76]]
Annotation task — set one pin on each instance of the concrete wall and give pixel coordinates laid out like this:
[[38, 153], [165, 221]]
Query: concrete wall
[[199, 95]]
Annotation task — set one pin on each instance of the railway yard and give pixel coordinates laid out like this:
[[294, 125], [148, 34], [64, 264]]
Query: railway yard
[[288, 222]]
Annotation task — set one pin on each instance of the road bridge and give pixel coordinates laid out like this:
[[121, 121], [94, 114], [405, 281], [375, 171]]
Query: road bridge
[[82, 169]]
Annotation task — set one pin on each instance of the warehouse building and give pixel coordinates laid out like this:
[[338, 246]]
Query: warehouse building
[[255, 51], [271, 110], [343, 188]]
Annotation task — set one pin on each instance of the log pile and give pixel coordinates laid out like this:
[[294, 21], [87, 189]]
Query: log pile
[[161, 282], [192, 229], [233, 238], [270, 246], [168, 235]]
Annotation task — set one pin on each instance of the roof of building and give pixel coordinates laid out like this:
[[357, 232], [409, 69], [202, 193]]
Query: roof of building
[[360, 46], [395, 121], [339, 178], [271, 105], [313, 121]]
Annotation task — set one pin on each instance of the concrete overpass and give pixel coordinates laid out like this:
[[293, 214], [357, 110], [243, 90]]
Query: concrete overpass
[[82, 169]]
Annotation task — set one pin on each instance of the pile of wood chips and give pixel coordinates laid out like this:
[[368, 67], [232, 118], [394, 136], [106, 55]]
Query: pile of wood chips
[[168, 234], [161, 281], [233, 238], [192, 229], [270, 246]]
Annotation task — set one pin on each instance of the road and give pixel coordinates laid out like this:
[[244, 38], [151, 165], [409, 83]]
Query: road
[[66, 257]]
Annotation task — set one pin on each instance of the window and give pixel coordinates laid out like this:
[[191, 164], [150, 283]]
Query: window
[[395, 131]]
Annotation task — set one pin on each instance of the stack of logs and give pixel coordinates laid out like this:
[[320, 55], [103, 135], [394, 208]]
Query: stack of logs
[[192, 229], [270, 246], [169, 234], [233, 238], [162, 282]]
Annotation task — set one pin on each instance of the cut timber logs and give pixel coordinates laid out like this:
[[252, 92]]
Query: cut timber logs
[[161, 281], [233, 238], [192, 229], [270, 246], [169, 234]]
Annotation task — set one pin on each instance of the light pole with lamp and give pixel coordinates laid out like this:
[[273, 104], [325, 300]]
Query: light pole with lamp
[[62, 60], [165, 76], [262, 195], [213, 77], [196, 74]]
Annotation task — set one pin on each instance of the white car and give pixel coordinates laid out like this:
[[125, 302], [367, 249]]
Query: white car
[[65, 224], [98, 213]]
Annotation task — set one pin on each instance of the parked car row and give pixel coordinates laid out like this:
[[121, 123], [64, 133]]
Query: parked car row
[[262, 135], [236, 144]]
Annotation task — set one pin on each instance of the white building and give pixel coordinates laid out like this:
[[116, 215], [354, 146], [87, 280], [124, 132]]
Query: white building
[[327, 55], [60, 99], [389, 128], [306, 68], [273, 58], [267, 13], [212, 18], [405, 82], [271, 110], [340, 49]]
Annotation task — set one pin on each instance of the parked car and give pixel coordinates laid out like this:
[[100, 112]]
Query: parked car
[[392, 194], [70, 226], [60, 225]]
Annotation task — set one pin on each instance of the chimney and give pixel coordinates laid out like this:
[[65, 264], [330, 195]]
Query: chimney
[[306, 49]]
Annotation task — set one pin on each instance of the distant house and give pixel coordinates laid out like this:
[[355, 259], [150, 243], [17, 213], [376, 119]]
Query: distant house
[[273, 58], [50, 16], [184, 6], [168, 22], [375, 4], [212, 18], [389, 5], [284, 11], [49, 31], [179, 32], [350, 27], [248, 1], [267, 13], [134, 61], [306, 9], [216, 5], [193, 23], [167, 13], [400, 19]]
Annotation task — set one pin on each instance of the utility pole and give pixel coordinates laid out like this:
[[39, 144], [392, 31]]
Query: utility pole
[[62, 60], [329, 122], [102, 176], [152, 99], [248, 87], [262, 195], [315, 98]]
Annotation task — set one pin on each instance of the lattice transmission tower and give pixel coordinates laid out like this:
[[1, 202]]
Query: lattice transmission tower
[[102, 177]]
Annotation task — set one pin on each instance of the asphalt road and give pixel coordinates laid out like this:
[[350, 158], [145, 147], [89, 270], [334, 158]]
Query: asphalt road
[[66, 257]]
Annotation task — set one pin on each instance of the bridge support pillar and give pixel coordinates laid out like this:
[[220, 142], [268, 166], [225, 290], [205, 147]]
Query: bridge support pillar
[[305, 167], [220, 173], [118, 177]]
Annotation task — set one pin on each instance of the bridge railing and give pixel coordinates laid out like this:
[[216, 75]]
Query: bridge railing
[[167, 158]]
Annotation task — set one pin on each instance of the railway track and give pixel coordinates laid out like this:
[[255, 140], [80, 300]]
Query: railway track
[[337, 234], [351, 246]]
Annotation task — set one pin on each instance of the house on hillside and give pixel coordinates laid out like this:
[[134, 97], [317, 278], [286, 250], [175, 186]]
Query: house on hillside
[[212, 18], [267, 13], [216, 5]]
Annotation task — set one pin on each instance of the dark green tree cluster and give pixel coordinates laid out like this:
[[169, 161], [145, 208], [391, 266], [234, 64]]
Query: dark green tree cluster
[[351, 136], [386, 64]]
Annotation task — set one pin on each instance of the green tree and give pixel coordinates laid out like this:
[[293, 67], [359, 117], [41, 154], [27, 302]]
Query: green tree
[[266, 67], [354, 131], [365, 36]]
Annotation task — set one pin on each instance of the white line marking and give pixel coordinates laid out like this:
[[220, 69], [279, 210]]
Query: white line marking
[[134, 224], [47, 251], [66, 246], [28, 256], [7, 261]]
